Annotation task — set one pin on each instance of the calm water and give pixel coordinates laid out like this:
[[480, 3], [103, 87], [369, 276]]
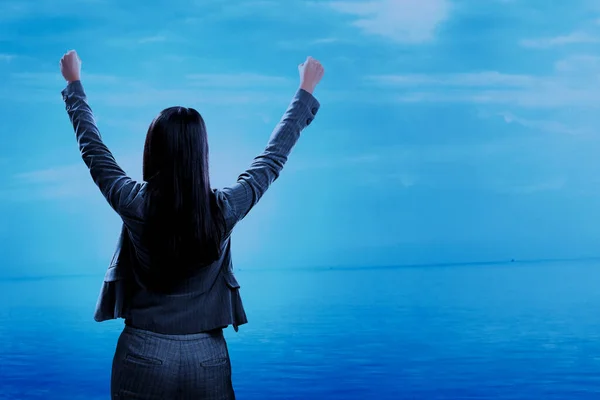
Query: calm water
[[518, 331]]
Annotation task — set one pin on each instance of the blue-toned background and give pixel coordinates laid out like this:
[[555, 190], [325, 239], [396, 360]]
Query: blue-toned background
[[451, 131]]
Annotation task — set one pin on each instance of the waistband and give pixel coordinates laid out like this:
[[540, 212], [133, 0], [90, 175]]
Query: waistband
[[192, 336]]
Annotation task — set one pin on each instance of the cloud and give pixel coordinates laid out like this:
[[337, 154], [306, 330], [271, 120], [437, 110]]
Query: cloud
[[7, 57], [216, 9], [574, 83], [327, 40], [577, 63], [141, 39], [427, 166], [51, 175], [69, 181], [310, 43], [214, 89], [64, 181], [152, 39], [11, 10], [555, 184], [150, 96], [543, 125], [406, 21], [395, 179], [207, 80], [335, 162], [407, 157], [235, 80], [549, 98], [51, 79], [475, 79], [573, 38]]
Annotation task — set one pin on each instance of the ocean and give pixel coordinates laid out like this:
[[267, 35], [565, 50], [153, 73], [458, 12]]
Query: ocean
[[526, 331]]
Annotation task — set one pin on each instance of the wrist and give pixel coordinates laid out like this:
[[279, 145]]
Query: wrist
[[309, 88]]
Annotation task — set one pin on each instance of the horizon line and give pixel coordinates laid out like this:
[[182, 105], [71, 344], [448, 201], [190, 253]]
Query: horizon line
[[17, 278]]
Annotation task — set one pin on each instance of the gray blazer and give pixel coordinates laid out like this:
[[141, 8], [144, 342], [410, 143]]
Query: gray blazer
[[122, 290]]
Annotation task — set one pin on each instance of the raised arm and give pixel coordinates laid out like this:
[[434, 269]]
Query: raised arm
[[265, 168], [118, 189]]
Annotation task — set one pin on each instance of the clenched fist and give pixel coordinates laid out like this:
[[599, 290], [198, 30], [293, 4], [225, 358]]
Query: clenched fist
[[70, 66], [311, 72]]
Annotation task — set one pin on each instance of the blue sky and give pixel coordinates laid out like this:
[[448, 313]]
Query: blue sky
[[449, 130]]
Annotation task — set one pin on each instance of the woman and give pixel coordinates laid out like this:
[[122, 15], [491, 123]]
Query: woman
[[171, 277]]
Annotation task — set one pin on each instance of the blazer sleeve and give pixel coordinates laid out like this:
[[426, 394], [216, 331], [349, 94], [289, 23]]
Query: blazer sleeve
[[118, 188], [265, 168]]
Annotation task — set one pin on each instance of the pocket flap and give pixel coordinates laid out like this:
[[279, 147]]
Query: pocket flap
[[231, 281], [114, 273]]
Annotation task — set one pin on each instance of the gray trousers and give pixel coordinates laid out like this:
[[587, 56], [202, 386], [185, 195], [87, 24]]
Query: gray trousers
[[150, 366]]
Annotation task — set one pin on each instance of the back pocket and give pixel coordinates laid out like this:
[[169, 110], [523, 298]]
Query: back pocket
[[142, 360], [216, 362]]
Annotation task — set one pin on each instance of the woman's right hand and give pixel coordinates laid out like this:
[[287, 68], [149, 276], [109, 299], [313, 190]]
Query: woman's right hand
[[311, 72]]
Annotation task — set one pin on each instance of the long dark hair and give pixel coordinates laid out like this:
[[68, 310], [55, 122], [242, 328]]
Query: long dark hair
[[184, 226]]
